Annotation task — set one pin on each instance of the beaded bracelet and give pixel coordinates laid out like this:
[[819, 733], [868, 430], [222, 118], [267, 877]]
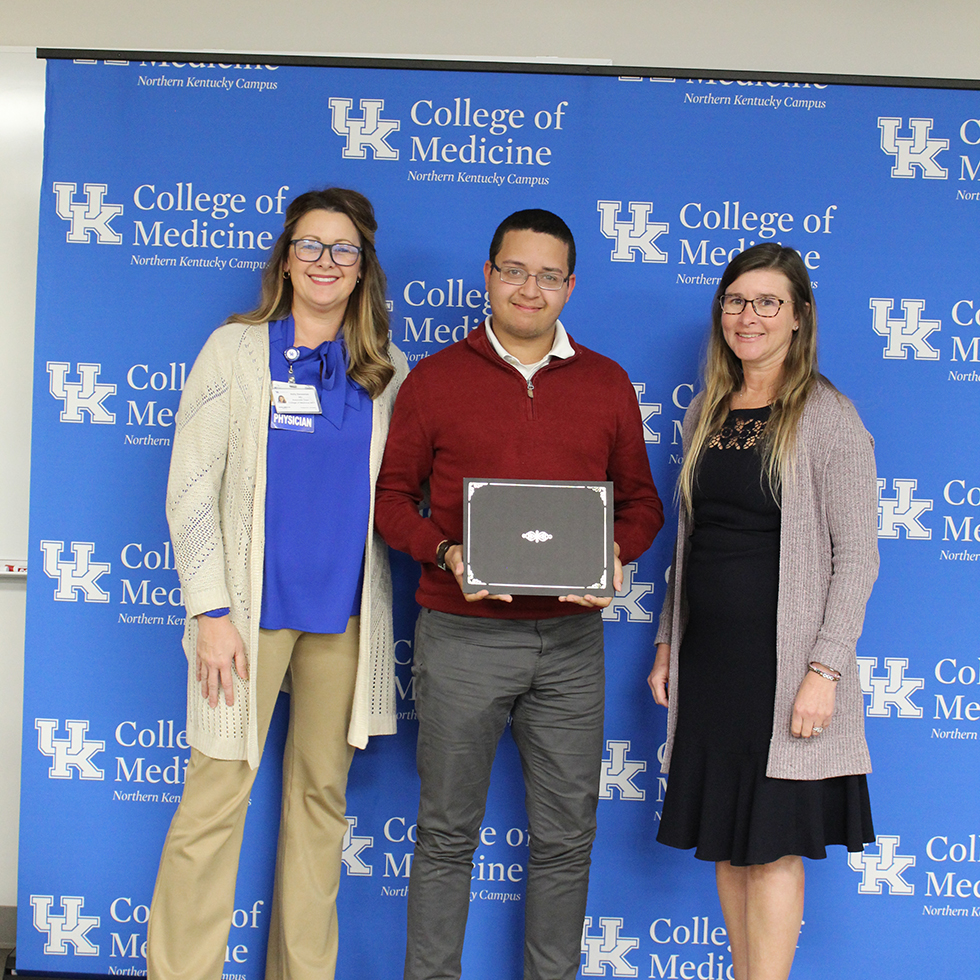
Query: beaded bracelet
[[823, 673]]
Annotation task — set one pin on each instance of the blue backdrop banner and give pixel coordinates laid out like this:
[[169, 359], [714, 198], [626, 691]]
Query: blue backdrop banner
[[164, 188]]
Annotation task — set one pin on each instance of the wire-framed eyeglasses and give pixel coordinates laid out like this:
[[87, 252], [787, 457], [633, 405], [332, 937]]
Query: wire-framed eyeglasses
[[310, 250], [514, 276], [764, 306]]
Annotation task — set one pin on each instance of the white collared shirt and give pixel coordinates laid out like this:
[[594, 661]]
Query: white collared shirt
[[560, 347]]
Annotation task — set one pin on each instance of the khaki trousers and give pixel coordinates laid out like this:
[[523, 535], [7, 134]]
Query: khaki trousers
[[193, 901]]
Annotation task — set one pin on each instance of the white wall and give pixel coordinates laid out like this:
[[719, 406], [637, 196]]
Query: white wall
[[896, 37], [862, 37], [21, 120]]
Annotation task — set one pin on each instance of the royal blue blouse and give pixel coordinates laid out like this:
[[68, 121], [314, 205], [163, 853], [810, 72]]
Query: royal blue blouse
[[317, 499]]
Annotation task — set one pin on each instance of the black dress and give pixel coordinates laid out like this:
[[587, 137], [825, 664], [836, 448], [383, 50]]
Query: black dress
[[719, 798]]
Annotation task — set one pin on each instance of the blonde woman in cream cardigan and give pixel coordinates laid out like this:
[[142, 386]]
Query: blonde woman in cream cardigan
[[270, 500]]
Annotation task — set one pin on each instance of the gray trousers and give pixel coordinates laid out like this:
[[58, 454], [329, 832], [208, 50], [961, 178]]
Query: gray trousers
[[471, 673]]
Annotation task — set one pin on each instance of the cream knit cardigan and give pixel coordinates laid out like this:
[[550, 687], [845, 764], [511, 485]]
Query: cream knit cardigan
[[828, 561], [216, 511]]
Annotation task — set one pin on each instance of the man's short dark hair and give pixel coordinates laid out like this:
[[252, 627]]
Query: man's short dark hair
[[539, 220]]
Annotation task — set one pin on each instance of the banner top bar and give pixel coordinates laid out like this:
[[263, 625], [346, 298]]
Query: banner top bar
[[534, 67]]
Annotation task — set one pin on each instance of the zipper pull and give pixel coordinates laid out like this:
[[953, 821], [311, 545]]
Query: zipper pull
[[530, 389]]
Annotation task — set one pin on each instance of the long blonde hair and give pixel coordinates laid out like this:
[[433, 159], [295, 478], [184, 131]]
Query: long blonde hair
[[723, 374], [366, 319]]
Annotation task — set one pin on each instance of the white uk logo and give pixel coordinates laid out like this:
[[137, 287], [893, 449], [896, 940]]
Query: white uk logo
[[89, 215], [78, 573], [353, 845], [618, 772], [894, 690], [919, 150], [607, 950], [885, 867], [69, 927], [647, 411], [908, 332], [902, 511], [368, 131], [638, 234], [629, 599], [73, 752], [85, 395]]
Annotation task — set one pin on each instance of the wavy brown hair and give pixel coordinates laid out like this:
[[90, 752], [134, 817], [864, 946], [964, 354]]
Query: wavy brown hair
[[723, 374], [366, 318]]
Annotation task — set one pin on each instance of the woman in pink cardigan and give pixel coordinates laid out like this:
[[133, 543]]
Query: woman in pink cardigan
[[775, 559]]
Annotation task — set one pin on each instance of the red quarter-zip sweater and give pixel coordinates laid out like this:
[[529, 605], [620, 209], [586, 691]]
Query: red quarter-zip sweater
[[464, 412]]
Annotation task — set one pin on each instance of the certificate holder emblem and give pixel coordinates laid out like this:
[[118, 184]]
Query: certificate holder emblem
[[538, 537]]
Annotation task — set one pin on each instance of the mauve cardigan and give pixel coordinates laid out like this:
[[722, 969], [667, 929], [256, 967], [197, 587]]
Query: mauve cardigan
[[828, 561]]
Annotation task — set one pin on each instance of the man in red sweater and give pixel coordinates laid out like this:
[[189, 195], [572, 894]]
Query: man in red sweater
[[516, 399]]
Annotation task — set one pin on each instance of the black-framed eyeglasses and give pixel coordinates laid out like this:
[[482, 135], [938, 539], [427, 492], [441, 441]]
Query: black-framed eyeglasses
[[514, 276], [764, 306], [310, 250]]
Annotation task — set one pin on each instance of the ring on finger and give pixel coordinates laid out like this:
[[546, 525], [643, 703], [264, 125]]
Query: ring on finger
[[817, 729]]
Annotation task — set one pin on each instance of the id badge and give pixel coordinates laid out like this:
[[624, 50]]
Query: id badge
[[294, 399], [292, 423]]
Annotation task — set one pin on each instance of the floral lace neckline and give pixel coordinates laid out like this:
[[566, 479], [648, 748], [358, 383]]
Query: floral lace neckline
[[743, 429]]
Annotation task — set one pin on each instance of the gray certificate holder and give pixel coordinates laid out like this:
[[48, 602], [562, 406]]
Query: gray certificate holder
[[538, 537]]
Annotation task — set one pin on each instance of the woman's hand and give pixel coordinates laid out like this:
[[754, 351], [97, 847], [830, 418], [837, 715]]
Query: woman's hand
[[219, 647], [659, 675], [814, 705]]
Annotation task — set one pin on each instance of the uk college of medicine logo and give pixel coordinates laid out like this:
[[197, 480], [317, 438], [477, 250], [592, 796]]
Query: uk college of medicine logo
[[608, 949], [894, 690], [352, 847], [78, 574], [903, 510], [627, 600], [617, 772], [634, 235], [647, 411], [368, 131], [915, 154], [89, 216], [69, 755], [884, 868], [905, 333], [84, 395], [69, 928]]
